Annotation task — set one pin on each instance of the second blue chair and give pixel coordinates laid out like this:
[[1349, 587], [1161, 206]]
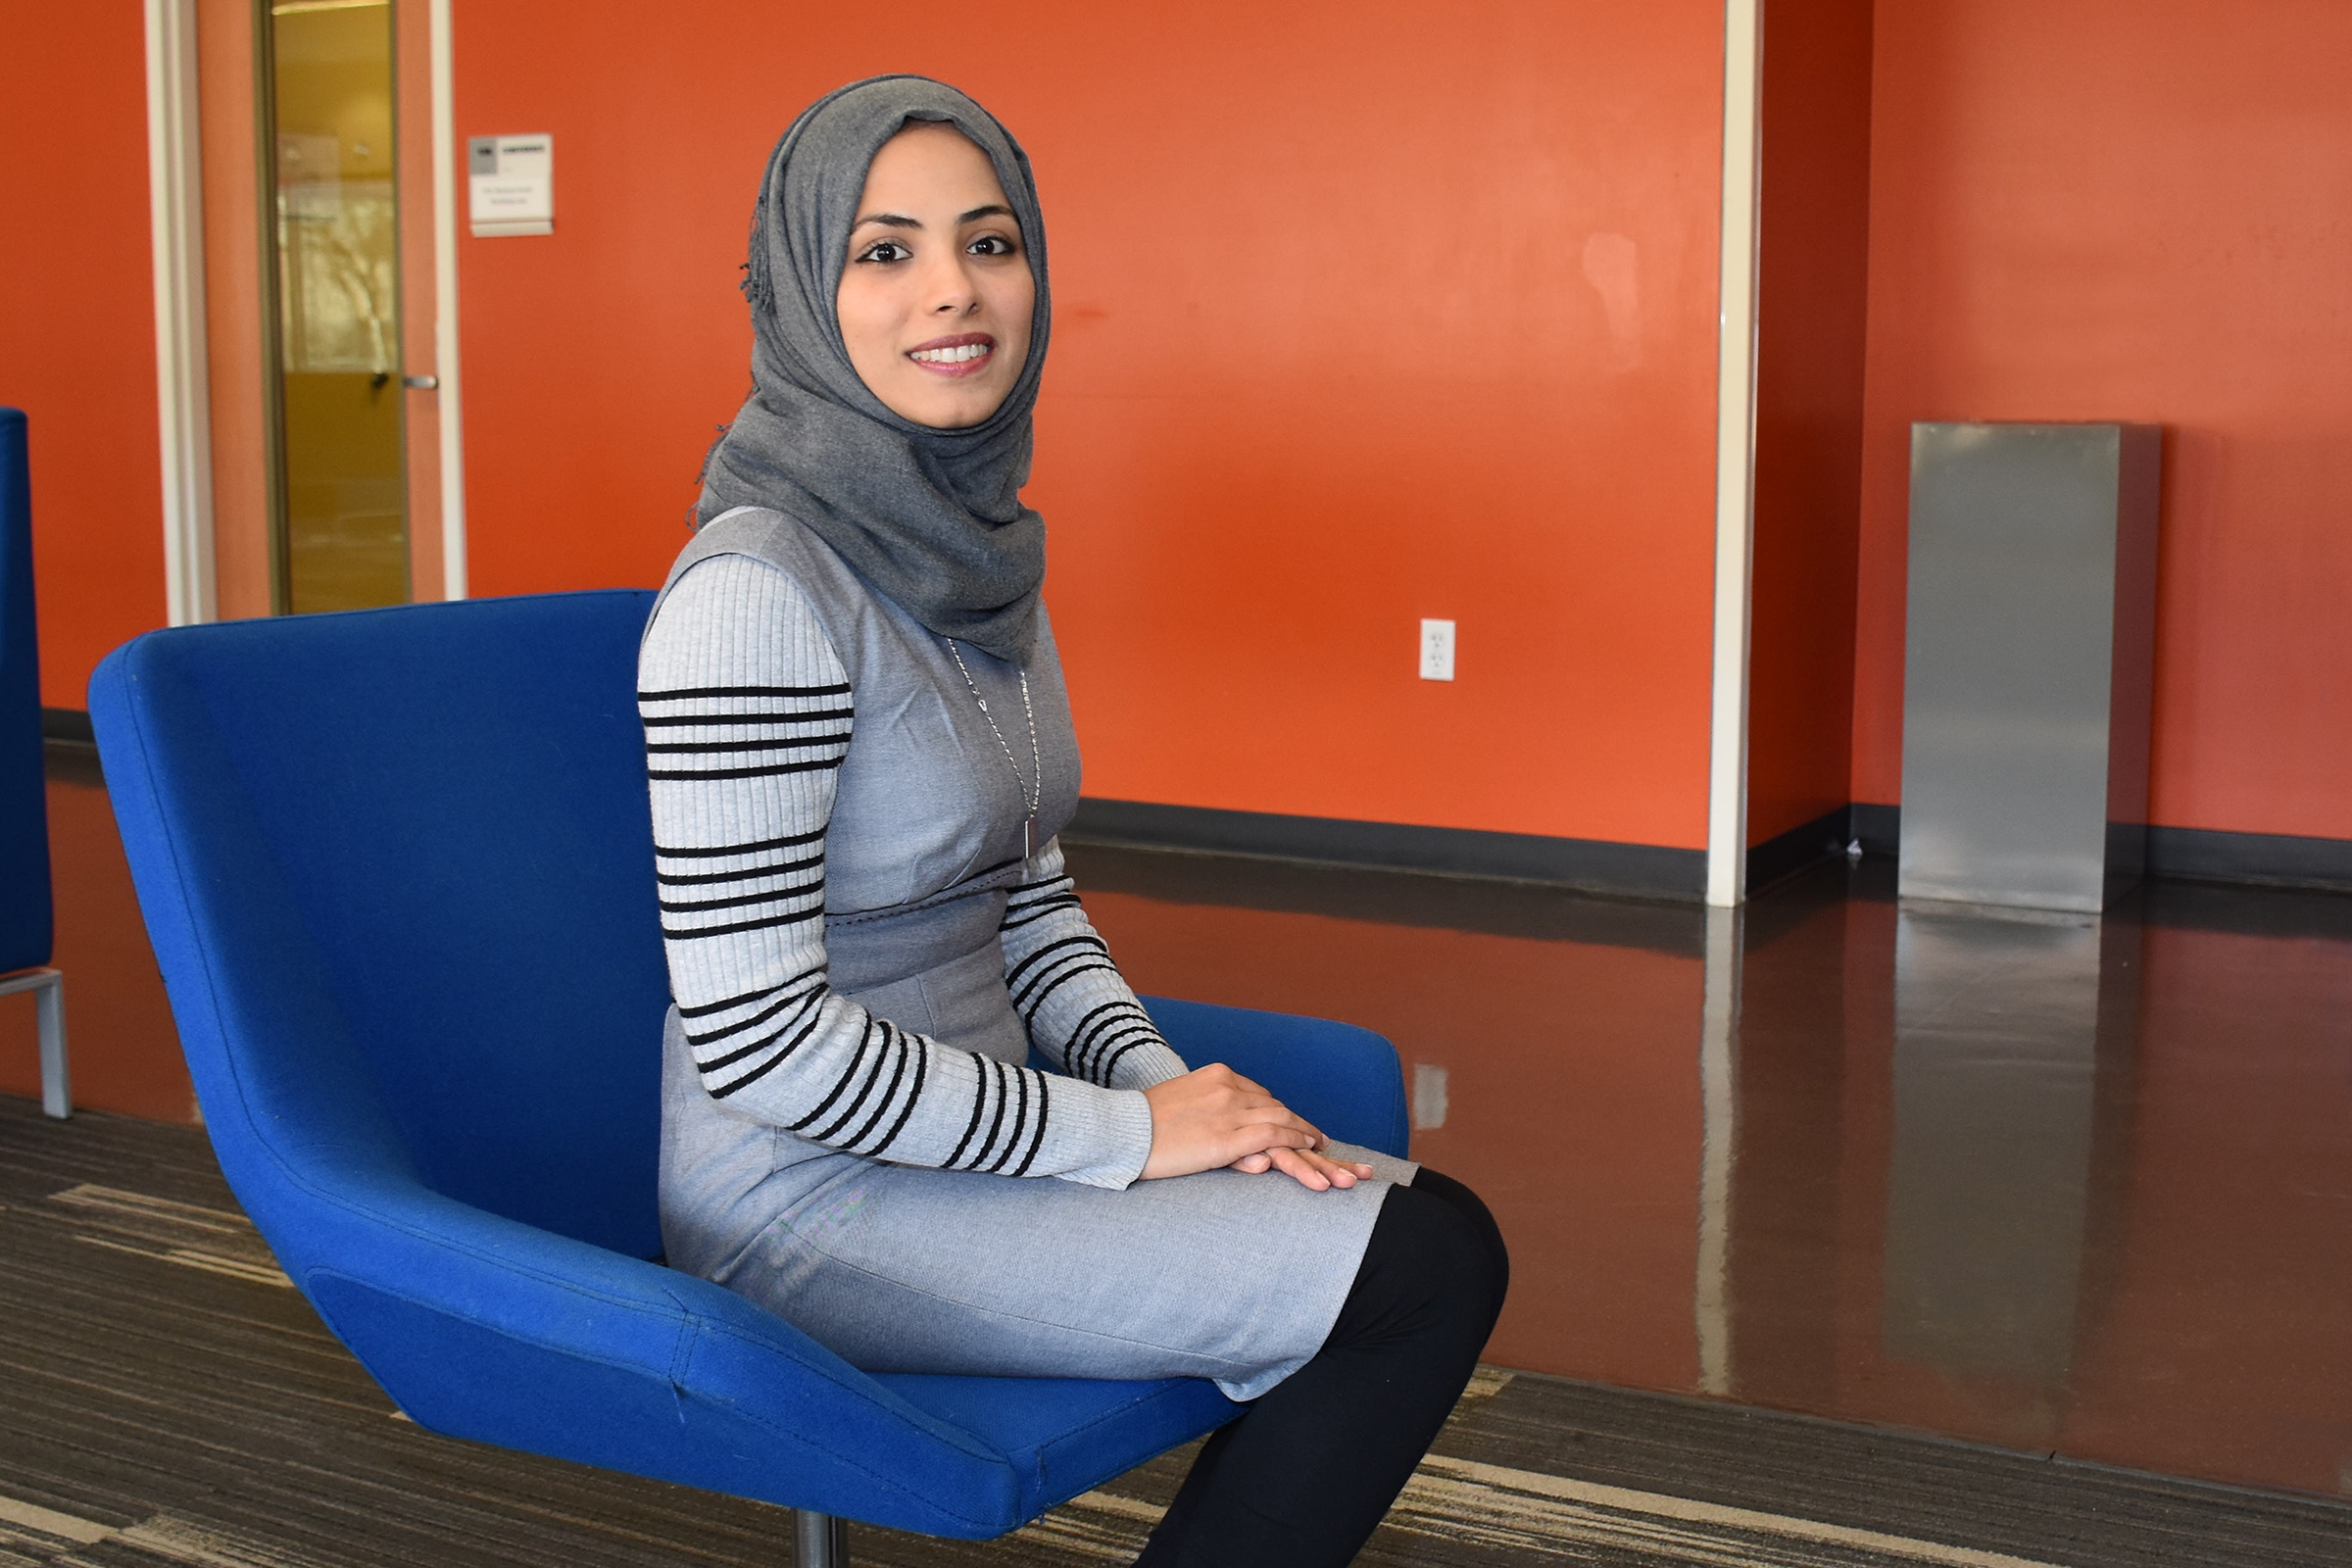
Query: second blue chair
[[26, 918]]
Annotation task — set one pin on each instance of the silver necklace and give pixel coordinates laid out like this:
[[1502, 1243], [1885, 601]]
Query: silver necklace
[[1030, 798]]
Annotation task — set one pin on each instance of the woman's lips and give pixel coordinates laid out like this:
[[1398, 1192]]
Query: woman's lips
[[963, 354]]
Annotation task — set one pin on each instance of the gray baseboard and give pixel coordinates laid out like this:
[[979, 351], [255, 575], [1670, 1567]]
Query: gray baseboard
[[2184, 854], [1530, 911], [1628, 870], [1877, 828], [2269, 859], [1784, 854], [67, 724], [1643, 870]]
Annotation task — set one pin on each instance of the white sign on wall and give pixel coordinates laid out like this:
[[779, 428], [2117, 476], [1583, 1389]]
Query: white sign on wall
[[511, 184]]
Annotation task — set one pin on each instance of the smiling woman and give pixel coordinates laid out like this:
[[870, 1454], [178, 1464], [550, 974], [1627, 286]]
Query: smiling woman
[[860, 752], [936, 301]]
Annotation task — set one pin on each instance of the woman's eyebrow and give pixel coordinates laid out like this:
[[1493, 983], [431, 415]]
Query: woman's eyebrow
[[902, 220]]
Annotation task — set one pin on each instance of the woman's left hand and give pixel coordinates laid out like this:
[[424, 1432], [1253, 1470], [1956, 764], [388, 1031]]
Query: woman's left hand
[[1314, 1170]]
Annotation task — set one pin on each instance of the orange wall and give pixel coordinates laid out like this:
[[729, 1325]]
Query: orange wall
[[2136, 210], [2076, 210], [1366, 314], [1813, 267], [78, 326]]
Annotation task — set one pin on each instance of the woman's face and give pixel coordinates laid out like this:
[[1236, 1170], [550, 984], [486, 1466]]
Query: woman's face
[[936, 299]]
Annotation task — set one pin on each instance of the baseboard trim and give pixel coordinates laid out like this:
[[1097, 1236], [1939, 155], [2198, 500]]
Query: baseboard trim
[[1627, 870], [1808, 844], [2183, 853], [2266, 860], [67, 724], [1879, 829], [1596, 865], [1645, 870]]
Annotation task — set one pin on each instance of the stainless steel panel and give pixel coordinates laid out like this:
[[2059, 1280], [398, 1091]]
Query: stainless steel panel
[[2027, 650]]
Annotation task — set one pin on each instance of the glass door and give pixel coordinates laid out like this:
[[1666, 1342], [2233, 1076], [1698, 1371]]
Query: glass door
[[331, 243]]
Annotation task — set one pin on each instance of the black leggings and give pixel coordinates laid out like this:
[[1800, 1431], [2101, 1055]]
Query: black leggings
[[1301, 1479]]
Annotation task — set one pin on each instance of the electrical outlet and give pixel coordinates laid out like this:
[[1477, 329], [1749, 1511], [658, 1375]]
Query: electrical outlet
[[1436, 649]]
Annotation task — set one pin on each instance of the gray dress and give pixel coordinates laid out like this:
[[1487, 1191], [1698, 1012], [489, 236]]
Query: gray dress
[[899, 1260]]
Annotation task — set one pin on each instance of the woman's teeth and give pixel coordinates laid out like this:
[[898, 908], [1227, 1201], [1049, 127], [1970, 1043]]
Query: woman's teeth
[[954, 356]]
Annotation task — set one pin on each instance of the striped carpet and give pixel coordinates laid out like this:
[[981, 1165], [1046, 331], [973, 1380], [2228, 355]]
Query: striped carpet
[[166, 1398]]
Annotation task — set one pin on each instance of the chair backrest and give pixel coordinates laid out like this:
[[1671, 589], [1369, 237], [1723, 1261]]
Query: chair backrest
[[403, 856], [26, 929]]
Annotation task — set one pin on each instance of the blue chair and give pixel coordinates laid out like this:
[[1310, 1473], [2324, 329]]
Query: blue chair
[[398, 871], [27, 928]]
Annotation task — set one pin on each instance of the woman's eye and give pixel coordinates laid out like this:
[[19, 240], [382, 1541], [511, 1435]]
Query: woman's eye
[[992, 245], [886, 250]]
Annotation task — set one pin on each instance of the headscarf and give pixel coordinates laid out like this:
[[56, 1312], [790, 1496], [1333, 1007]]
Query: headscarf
[[933, 519]]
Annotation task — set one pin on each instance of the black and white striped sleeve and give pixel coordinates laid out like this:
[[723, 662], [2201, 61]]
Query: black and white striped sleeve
[[748, 713], [1078, 1008]]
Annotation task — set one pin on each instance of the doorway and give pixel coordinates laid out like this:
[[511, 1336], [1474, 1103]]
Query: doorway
[[332, 264]]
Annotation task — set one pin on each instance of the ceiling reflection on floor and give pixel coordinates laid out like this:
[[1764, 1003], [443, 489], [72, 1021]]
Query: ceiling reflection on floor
[[2051, 1182]]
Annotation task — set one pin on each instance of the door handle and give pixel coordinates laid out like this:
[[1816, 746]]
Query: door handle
[[420, 383]]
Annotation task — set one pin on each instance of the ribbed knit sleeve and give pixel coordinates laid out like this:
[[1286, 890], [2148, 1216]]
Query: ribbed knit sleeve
[[748, 713], [1078, 1008]]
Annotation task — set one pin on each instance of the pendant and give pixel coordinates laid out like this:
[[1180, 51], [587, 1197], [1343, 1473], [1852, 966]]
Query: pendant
[[1029, 838]]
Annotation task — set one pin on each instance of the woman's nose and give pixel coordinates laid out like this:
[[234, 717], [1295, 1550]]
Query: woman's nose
[[950, 288]]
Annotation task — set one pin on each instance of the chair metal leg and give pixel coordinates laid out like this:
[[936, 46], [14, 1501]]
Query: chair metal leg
[[48, 989], [49, 1020], [823, 1541]]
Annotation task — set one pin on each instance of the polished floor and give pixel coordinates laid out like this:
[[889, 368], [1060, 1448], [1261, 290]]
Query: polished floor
[[166, 1398], [2059, 1187]]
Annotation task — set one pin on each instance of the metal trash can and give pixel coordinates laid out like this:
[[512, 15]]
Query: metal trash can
[[2029, 658]]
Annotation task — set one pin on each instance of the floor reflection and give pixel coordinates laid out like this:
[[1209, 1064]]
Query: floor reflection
[[1567, 1034], [2058, 1185], [1998, 1015], [118, 1034], [2055, 1183]]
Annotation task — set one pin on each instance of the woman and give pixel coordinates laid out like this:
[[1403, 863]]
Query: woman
[[860, 752]]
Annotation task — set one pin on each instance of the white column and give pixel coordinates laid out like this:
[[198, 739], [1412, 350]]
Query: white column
[[1735, 449], [445, 309], [183, 400]]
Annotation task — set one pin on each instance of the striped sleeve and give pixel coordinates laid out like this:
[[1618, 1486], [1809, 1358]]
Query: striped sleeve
[[748, 713], [1078, 1011]]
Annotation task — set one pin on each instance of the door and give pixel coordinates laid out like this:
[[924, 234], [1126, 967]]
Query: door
[[332, 258], [319, 303]]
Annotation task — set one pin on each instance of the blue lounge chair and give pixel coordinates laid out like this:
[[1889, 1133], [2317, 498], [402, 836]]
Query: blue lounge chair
[[399, 874]]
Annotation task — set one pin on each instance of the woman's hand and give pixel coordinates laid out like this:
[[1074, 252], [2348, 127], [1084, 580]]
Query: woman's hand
[[1214, 1116], [1312, 1167]]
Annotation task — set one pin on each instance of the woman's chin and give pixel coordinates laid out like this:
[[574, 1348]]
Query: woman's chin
[[948, 408]]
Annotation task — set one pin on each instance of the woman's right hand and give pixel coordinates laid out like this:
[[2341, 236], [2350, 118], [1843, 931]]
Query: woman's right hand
[[1213, 1117]]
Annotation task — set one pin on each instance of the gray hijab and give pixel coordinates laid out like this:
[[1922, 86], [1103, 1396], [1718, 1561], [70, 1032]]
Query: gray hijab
[[933, 519]]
